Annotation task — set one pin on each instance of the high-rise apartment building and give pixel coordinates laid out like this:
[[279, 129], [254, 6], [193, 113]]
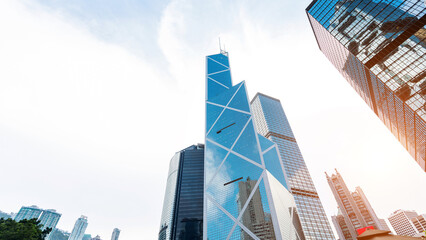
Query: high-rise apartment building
[[28, 213], [272, 123], [182, 216], [49, 219], [401, 222], [79, 228], [246, 195], [420, 223], [380, 48], [353, 206], [115, 234]]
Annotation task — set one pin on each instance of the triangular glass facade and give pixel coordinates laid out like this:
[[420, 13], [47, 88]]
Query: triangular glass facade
[[238, 199]]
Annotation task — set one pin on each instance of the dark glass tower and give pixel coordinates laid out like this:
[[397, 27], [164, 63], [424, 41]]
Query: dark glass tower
[[182, 216], [379, 46], [272, 123]]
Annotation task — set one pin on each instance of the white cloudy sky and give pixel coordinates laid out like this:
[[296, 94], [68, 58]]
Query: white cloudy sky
[[96, 96]]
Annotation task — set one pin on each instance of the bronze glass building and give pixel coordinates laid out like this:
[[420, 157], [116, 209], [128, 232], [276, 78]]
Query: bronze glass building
[[379, 46]]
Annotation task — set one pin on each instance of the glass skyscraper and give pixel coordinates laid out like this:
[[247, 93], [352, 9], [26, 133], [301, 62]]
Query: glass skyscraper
[[79, 228], [246, 193], [182, 216], [272, 123], [379, 46]]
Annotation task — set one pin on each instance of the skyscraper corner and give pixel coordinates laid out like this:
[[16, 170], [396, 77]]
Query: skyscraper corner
[[380, 49]]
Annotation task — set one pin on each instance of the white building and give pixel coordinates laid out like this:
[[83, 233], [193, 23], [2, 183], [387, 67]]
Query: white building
[[401, 222]]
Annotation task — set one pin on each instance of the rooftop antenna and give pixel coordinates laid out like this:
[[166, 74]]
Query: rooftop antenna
[[222, 51]]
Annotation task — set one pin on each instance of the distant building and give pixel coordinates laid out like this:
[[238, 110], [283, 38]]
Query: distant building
[[87, 237], [401, 222], [58, 234], [5, 215], [79, 228], [49, 219], [32, 212], [354, 208], [420, 223], [115, 234], [384, 225], [340, 226], [97, 238]]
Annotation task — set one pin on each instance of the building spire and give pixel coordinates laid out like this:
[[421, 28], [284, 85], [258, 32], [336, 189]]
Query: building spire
[[222, 51]]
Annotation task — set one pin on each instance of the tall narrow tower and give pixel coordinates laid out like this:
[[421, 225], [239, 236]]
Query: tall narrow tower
[[272, 123], [380, 48], [353, 206], [79, 228], [182, 216], [245, 192]]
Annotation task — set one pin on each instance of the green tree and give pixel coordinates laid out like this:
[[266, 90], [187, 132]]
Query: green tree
[[22, 230]]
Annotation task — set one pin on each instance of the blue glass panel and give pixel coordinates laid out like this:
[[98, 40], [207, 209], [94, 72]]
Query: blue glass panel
[[264, 142], [225, 190], [257, 215], [214, 89], [224, 97], [237, 234], [273, 165], [219, 225], [220, 58], [240, 100], [212, 113], [213, 157], [223, 77], [247, 144], [228, 127], [213, 66]]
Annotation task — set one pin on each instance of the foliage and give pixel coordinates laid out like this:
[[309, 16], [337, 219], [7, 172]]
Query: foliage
[[24, 229]]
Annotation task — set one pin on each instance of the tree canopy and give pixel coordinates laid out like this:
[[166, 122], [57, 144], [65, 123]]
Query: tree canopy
[[24, 229]]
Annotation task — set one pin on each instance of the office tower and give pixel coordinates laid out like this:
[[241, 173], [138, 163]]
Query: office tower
[[28, 213], [115, 234], [182, 216], [384, 224], [380, 48], [353, 206], [79, 228], [420, 223], [272, 123], [401, 222], [246, 195]]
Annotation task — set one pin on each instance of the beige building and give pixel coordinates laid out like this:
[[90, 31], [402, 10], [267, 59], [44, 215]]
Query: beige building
[[420, 223], [401, 221]]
